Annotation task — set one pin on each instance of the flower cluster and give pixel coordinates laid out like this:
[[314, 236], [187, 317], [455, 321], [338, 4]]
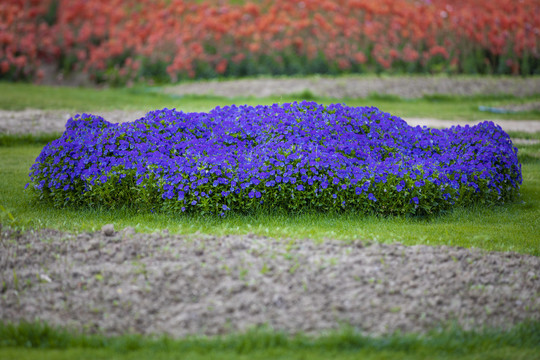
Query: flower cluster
[[293, 156], [120, 40]]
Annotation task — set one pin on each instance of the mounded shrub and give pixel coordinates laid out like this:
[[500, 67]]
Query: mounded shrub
[[293, 156]]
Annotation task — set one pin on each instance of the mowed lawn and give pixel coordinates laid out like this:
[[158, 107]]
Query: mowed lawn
[[507, 227]]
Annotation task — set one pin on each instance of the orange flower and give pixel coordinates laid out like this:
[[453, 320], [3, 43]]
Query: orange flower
[[344, 64], [254, 47], [438, 50], [360, 57], [4, 66], [221, 66], [409, 54]]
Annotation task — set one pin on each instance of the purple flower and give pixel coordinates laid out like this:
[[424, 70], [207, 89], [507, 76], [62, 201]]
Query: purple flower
[[237, 148], [366, 185]]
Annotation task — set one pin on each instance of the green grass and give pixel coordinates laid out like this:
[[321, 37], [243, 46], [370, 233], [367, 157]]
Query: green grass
[[510, 227], [37, 340], [27, 139], [528, 152], [17, 96]]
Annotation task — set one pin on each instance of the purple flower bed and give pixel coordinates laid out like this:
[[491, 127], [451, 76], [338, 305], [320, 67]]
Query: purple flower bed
[[292, 156]]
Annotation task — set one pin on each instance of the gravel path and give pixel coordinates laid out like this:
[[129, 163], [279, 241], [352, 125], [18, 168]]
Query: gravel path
[[115, 282], [362, 86]]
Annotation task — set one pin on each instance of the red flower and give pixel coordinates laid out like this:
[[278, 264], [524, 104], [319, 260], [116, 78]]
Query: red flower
[[221, 66], [360, 57], [4, 67]]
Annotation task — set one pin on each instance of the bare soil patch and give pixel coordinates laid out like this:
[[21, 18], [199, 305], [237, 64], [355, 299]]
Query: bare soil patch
[[117, 282]]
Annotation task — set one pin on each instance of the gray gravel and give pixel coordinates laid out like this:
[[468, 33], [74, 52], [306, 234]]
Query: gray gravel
[[362, 86], [115, 282]]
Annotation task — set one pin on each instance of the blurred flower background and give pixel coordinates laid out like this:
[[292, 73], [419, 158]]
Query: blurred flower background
[[122, 41]]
